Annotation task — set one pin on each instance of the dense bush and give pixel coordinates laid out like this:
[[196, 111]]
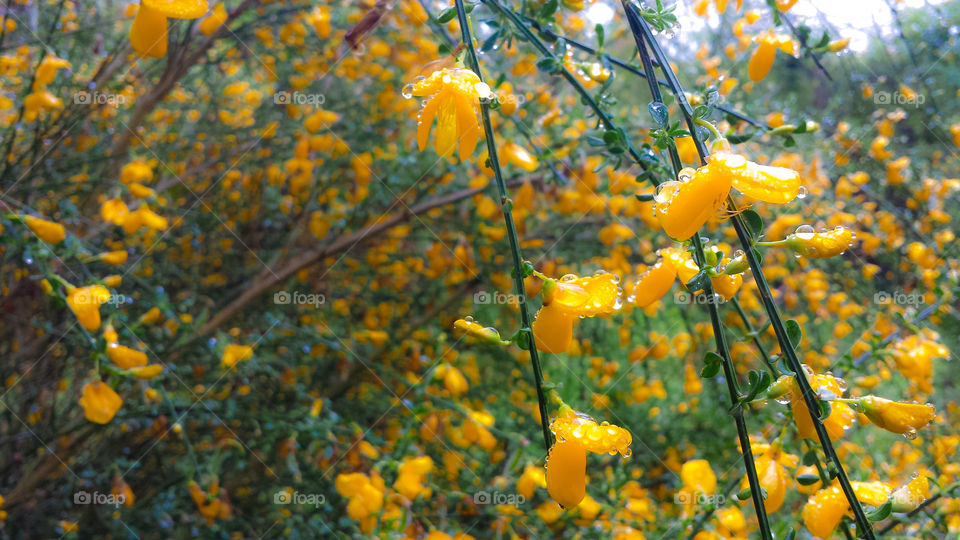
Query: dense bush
[[304, 269]]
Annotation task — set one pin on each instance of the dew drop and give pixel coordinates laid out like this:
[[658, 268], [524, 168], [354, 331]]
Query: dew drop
[[910, 434], [659, 112], [805, 232], [802, 193]]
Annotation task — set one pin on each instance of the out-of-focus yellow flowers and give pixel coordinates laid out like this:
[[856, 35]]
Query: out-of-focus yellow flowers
[[235, 353], [453, 100]]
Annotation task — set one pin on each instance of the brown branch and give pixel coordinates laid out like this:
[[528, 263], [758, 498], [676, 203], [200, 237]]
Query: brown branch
[[270, 277]]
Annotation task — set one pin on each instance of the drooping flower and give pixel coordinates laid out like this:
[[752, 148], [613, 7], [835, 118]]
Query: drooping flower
[[453, 99], [901, 418], [762, 58], [568, 299], [841, 415], [100, 403], [576, 434], [148, 33]]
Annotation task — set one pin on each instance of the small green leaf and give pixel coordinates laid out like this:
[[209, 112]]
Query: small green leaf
[[807, 479], [794, 333], [447, 15], [754, 223], [548, 8], [744, 494], [600, 35], [882, 512], [709, 371], [824, 409], [810, 458]]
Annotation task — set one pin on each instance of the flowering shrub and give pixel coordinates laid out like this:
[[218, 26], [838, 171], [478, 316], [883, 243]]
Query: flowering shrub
[[642, 284]]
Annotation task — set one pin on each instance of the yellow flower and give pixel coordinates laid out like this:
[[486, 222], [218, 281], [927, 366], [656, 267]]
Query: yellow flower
[[824, 510], [683, 206], [125, 357], [148, 34], [471, 328], [698, 477], [85, 303], [235, 353], [48, 231], [820, 245], [100, 403], [517, 155], [213, 22], [453, 99], [654, 283], [587, 296], [902, 418], [841, 415], [147, 372], [762, 58], [114, 258], [410, 477], [778, 185], [552, 329], [567, 472], [908, 497], [603, 438]]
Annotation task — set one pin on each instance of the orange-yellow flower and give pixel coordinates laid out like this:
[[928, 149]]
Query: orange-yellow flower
[[148, 34], [85, 303], [820, 245], [235, 353], [567, 472], [125, 357], [100, 403], [841, 415], [453, 99], [762, 59], [566, 300], [902, 418], [48, 231]]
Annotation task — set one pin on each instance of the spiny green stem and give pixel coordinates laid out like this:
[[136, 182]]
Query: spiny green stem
[[763, 288], [511, 227], [756, 492]]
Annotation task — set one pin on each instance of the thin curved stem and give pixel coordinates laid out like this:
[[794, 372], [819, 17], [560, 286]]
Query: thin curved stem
[[730, 376], [510, 225]]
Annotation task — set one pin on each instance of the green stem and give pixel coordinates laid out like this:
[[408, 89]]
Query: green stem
[[605, 118], [511, 227], [809, 397], [756, 492]]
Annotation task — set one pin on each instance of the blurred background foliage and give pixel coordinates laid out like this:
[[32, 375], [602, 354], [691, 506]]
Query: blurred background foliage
[[297, 218]]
